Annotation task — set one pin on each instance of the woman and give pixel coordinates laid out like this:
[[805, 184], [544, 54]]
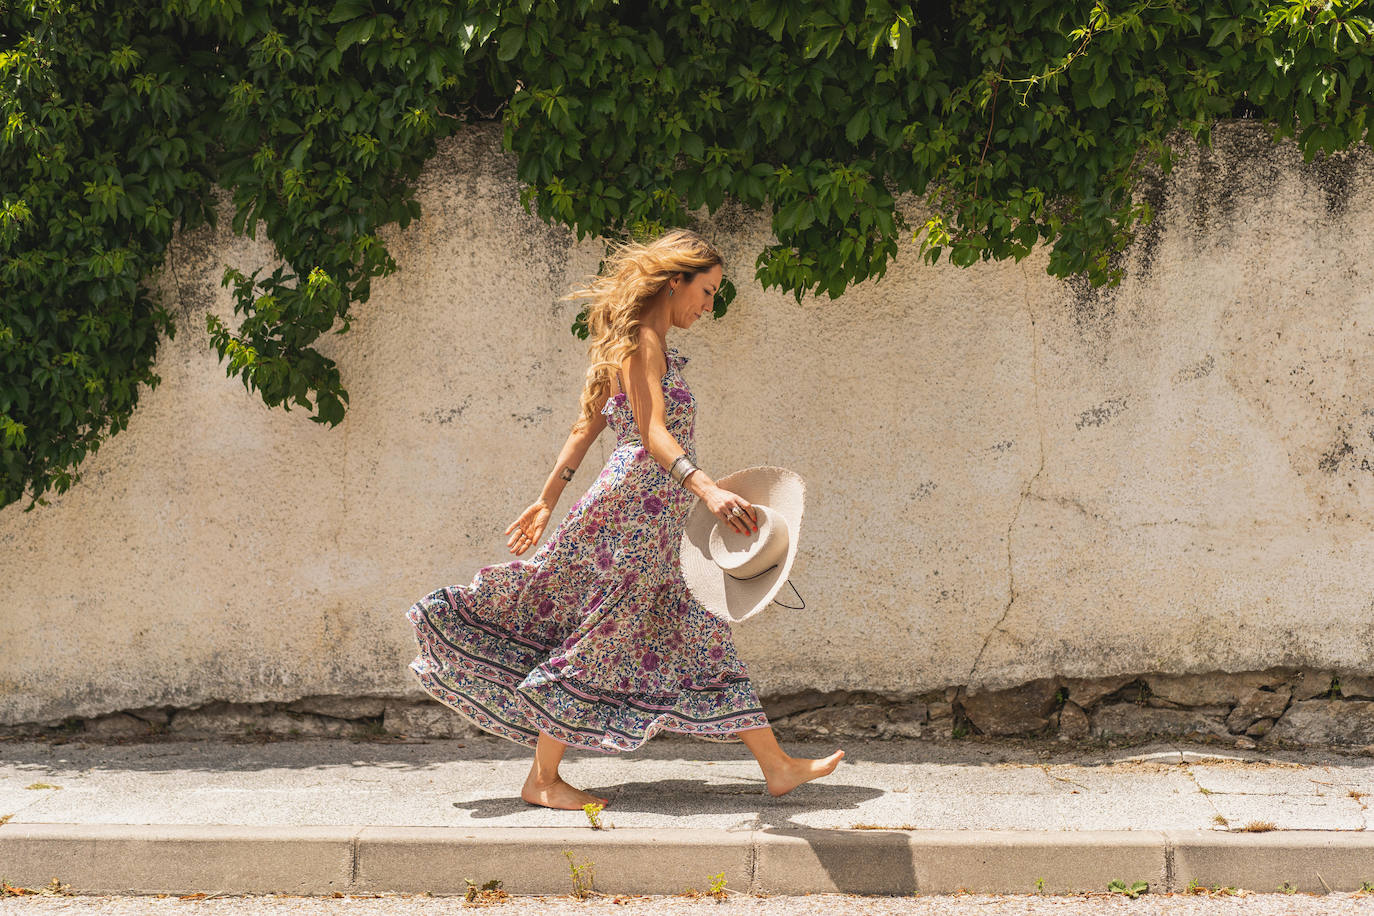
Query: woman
[[595, 641]]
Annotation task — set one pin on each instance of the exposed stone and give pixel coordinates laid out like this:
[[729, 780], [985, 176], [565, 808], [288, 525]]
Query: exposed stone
[[118, 725], [1355, 686], [158, 715], [855, 720], [1016, 711], [1131, 721], [940, 710], [1246, 743], [1260, 728], [1086, 691], [1073, 721], [307, 725], [941, 728], [1259, 704], [1310, 683], [902, 730], [340, 707], [1326, 722], [1214, 689], [218, 718], [786, 704], [907, 712], [427, 719]]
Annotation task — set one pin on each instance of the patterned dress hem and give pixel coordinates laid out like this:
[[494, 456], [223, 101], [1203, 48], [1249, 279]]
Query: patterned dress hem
[[610, 740]]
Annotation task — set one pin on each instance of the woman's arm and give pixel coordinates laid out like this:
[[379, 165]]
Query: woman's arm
[[570, 456], [525, 531], [644, 371]]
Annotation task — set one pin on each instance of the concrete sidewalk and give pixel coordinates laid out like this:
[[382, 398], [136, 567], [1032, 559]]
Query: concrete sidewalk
[[896, 817]]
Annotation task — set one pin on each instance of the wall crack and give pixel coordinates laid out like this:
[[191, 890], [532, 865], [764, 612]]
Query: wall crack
[[1026, 487]]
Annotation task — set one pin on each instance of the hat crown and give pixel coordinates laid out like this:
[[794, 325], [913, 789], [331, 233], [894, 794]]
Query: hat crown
[[746, 555]]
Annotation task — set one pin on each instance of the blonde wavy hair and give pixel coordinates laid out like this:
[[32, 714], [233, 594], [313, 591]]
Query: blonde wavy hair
[[630, 275]]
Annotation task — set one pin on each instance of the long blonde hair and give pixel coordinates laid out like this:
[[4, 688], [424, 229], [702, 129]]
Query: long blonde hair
[[630, 275]]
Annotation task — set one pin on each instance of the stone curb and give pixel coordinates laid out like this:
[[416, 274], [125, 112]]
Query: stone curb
[[178, 859]]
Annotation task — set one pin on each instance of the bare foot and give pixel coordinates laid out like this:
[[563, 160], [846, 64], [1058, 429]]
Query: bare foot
[[797, 770], [558, 794]]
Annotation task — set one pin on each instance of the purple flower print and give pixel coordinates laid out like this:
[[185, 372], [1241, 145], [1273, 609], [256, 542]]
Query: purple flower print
[[716, 653], [649, 661], [681, 395], [545, 609], [560, 663], [640, 453], [570, 641], [603, 560], [652, 504]]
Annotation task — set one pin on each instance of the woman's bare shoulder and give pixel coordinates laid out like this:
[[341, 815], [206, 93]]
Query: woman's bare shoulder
[[652, 348]]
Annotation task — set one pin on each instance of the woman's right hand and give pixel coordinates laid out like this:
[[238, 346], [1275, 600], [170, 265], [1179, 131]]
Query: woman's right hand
[[524, 531], [720, 501]]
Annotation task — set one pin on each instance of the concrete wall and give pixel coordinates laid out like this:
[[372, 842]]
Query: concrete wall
[[1009, 476]]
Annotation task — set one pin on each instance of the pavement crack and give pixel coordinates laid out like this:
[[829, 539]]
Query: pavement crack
[[353, 858], [1207, 794], [754, 855], [1025, 488]]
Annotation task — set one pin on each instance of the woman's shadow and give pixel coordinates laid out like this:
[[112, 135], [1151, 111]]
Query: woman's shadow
[[735, 798]]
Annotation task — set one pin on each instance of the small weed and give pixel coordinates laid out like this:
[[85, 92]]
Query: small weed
[[593, 812], [1040, 885], [1204, 790], [717, 886], [1259, 827], [959, 731], [1366, 887], [42, 785], [1218, 819], [1286, 888], [1117, 886], [488, 893], [52, 889], [582, 876]]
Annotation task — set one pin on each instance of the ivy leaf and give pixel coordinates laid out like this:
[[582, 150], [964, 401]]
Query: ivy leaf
[[510, 43], [348, 9], [857, 128], [354, 32]]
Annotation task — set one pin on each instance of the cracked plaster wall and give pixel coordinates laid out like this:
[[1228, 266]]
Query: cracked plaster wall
[[1009, 476]]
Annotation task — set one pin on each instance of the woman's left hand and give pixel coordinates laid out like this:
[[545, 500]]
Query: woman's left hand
[[525, 531]]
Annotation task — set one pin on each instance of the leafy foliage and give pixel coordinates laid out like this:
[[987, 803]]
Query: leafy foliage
[[1016, 122]]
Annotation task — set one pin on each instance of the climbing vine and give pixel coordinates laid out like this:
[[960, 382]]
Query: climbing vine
[[1016, 123]]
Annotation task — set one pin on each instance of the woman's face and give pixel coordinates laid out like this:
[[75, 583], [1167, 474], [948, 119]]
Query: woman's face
[[695, 297]]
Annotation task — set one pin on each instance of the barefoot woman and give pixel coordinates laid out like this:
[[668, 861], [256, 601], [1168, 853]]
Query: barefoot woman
[[595, 641]]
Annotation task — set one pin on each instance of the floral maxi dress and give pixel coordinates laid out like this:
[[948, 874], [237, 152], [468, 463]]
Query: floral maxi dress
[[595, 639]]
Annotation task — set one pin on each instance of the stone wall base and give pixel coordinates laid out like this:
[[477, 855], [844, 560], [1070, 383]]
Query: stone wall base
[[1278, 707]]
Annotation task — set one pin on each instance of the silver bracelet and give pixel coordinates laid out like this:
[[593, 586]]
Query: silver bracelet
[[687, 467]]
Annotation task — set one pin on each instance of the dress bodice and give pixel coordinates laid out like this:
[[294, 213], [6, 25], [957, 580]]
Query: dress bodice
[[678, 402]]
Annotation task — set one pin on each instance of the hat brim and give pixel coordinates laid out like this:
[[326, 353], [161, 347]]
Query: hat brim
[[734, 600]]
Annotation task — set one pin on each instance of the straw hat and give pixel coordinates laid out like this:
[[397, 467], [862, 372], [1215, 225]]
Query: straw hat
[[733, 575]]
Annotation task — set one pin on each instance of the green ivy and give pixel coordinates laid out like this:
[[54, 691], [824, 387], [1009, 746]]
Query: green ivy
[[1013, 123]]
